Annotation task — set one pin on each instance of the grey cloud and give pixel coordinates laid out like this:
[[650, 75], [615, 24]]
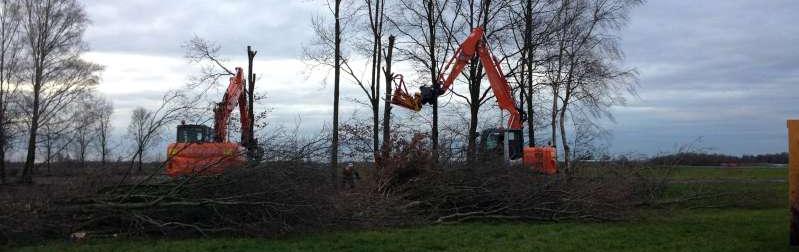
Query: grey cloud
[[721, 70], [274, 27]]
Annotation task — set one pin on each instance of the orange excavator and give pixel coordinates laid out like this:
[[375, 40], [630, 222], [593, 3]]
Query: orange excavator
[[200, 149], [507, 142]]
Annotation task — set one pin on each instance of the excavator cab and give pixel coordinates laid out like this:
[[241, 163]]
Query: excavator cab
[[193, 133], [498, 143]]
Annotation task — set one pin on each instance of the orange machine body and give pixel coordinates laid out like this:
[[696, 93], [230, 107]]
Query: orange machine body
[[540, 159], [203, 158]]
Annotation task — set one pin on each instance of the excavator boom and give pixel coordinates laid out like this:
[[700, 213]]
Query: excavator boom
[[233, 97]]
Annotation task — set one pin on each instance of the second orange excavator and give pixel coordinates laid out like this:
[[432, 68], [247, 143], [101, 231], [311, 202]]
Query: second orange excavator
[[200, 149], [507, 142]]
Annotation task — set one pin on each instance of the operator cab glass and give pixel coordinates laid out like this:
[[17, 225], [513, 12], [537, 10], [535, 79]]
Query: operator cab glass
[[515, 143], [190, 133], [492, 142]]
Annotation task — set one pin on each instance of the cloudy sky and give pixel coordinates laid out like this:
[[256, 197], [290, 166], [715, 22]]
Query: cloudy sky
[[724, 71]]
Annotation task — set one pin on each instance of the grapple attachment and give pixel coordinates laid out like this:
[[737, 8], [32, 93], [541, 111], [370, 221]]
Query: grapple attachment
[[402, 98]]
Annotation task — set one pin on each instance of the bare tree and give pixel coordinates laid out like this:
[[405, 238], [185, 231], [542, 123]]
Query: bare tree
[[10, 44], [251, 143], [204, 53], [366, 42], [419, 24], [587, 139], [531, 40], [330, 43], [376, 20], [84, 122], [199, 50], [105, 108], [336, 84], [146, 126], [477, 95], [53, 31], [57, 135], [585, 71], [290, 145], [386, 148], [432, 15], [139, 129]]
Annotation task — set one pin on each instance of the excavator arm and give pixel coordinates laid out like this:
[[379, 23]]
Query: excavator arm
[[501, 88], [473, 46], [234, 96]]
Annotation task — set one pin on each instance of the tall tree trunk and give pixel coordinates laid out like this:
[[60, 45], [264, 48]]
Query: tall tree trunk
[[553, 123], [337, 78], [2, 157], [82, 156], [567, 94], [564, 142], [30, 159], [103, 148], [48, 151], [140, 163], [387, 106], [431, 16], [475, 82], [474, 97], [375, 99], [251, 144], [471, 147], [528, 45], [376, 124], [523, 92], [3, 136]]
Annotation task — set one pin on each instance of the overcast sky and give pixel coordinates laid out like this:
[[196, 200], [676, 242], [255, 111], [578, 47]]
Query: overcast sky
[[726, 71]]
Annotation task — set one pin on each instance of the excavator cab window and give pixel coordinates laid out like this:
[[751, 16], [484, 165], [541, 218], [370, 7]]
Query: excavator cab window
[[515, 143], [193, 133], [492, 143]]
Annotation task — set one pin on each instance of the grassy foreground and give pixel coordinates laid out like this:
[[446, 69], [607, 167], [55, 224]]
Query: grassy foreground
[[707, 230], [763, 227]]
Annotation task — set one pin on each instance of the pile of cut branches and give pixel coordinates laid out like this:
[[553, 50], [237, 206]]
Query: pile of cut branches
[[251, 201]]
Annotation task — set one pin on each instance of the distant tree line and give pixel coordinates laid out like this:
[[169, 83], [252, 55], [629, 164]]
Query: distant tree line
[[713, 159]]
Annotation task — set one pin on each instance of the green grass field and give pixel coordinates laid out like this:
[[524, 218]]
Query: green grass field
[[758, 223], [728, 173]]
